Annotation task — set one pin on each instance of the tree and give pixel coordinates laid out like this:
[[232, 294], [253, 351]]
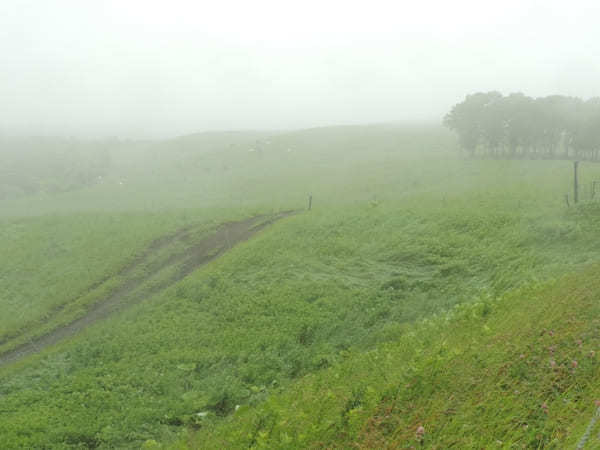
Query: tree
[[530, 127]]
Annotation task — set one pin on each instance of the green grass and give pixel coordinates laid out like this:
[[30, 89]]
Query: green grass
[[482, 376], [51, 261], [216, 172], [56, 248], [50, 165], [518, 372], [402, 229]]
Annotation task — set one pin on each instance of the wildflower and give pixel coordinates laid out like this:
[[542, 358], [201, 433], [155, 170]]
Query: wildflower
[[420, 432], [552, 363], [544, 407], [579, 342], [522, 356], [597, 403], [574, 364], [551, 333]]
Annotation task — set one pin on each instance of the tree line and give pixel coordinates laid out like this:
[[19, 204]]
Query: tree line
[[553, 127]]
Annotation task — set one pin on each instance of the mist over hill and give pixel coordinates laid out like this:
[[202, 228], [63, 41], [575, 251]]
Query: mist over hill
[[278, 225]]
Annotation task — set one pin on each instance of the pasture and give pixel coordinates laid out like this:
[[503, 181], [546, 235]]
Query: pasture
[[403, 228]]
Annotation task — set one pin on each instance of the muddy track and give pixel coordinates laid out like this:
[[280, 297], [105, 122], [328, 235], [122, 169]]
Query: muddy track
[[143, 258], [129, 293]]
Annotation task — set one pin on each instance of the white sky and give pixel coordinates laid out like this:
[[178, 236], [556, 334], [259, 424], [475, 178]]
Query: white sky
[[148, 68]]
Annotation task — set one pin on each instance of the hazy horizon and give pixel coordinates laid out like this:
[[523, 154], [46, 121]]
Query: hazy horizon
[[157, 70]]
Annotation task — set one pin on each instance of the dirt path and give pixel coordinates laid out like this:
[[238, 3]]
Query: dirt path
[[186, 261]]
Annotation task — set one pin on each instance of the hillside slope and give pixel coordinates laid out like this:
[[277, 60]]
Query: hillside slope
[[402, 228], [176, 255], [519, 372]]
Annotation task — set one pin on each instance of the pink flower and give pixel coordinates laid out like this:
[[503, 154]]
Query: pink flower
[[552, 363], [551, 333], [544, 407], [597, 403], [574, 364]]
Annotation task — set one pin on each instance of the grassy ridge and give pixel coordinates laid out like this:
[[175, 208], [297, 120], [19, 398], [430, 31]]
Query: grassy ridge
[[50, 165], [520, 372], [252, 172]]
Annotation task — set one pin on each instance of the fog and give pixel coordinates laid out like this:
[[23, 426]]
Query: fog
[[142, 69]]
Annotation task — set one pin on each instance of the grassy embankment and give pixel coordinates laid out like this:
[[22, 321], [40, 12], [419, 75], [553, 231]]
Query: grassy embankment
[[518, 372]]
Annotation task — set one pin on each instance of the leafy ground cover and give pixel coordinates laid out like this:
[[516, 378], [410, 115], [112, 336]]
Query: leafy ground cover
[[518, 372], [50, 262], [177, 254], [400, 230]]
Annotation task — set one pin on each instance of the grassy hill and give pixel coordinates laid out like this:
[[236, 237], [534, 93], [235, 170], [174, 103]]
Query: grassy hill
[[517, 372], [403, 229], [51, 165]]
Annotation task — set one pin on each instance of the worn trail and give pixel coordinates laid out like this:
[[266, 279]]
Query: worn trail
[[133, 290]]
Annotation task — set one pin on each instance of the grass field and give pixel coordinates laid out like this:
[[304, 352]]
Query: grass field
[[518, 372], [403, 228]]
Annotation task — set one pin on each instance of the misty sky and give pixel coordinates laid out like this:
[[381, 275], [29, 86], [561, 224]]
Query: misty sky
[[130, 68]]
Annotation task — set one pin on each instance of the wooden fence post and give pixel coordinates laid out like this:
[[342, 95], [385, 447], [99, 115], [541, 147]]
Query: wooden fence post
[[575, 182]]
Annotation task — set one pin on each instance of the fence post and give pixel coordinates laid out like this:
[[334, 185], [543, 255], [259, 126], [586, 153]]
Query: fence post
[[575, 183]]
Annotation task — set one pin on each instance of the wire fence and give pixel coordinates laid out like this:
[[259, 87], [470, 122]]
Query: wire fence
[[588, 192]]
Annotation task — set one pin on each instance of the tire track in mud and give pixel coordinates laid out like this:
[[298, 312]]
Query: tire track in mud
[[187, 261], [142, 258]]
